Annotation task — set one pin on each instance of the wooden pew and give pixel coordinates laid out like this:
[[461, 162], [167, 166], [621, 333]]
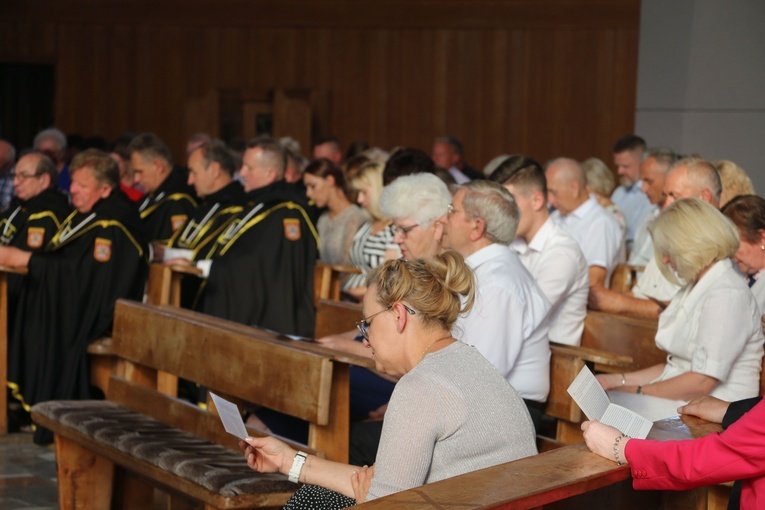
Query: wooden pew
[[4, 272], [627, 336], [568, 477], [624, 277], [289, 376], [333, 317], [610, 343], [328, 279]]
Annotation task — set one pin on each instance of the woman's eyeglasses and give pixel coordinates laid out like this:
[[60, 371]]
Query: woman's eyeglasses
[[363, 324], [402, 231]]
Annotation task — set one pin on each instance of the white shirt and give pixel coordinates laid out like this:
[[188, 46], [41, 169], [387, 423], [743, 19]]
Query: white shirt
[[508, 321], [713, 328], [652, 284], [642, 247], [635, 205], [597, 233], [557, 263]]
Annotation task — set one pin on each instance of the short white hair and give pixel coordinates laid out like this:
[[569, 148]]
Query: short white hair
[[421, 197]]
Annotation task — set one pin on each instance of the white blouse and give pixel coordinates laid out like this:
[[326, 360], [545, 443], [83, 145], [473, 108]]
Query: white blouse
[[713, 328]]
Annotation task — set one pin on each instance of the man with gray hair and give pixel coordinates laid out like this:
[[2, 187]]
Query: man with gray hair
[[508, 322], [52, 142], [7, 159], [35, 214], [169, 201], [259, 270], [653, 172]]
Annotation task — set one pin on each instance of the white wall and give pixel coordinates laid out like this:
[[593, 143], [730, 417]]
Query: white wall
[[701, 80]]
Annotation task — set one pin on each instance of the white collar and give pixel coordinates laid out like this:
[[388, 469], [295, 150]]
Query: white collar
[[485, 254]]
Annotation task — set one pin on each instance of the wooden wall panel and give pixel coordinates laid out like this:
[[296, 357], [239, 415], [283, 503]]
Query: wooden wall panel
[[545, 77]]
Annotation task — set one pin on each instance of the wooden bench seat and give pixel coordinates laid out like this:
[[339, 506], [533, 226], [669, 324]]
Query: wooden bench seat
[[209, 472], [235, 361]]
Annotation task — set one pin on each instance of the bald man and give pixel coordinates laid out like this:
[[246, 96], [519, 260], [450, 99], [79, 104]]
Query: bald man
[[580, 215]]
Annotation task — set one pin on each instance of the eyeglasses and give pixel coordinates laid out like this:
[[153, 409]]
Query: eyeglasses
[[402, 231], [363, 324], [21, 176]]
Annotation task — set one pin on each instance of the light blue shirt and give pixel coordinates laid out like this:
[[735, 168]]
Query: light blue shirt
[[634, 204]]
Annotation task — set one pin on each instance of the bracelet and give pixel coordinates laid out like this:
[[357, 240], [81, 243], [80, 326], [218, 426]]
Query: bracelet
[[616, 448], [639, 390], [624, 380], [297, 466]]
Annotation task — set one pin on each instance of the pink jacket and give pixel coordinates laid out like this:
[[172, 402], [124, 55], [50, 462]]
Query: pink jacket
[[738, 453]]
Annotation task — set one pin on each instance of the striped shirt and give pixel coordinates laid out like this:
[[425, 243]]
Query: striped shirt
[[368, 252]]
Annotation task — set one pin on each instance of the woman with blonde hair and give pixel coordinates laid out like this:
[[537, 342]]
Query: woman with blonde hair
[[734, 181], [451, 411], [600, 184], [373, 243], [711, 328]]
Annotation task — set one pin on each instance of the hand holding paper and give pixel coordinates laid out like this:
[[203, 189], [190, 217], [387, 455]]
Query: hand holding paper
[[230, 416], [593, 400]]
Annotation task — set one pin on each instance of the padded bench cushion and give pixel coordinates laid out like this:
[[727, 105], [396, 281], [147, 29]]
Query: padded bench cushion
[[212, 466]]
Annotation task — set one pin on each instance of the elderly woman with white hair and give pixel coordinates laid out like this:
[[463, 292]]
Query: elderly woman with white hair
[[711, 328], [417, 203]]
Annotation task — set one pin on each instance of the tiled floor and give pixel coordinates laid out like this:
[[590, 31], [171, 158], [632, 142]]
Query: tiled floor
[[27, 474]]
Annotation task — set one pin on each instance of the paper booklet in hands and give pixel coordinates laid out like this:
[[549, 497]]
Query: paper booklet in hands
[[593, 400]]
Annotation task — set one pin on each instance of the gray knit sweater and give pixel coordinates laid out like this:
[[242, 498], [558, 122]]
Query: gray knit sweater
[[452, 414]]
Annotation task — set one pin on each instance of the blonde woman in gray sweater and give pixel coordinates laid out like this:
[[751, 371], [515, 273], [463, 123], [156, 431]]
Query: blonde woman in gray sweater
[[451, 411]]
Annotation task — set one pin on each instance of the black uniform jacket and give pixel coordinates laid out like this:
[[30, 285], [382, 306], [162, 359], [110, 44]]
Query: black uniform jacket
[[67, 300], [168, 208], [213, 214], [262, 270], [30, 225]]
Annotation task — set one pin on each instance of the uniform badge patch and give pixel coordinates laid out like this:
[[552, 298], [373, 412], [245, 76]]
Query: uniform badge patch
[[35, 236], [178, 221], [102, 251], [292, 229]]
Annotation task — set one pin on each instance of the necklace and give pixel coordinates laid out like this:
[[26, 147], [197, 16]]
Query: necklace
[[431, 344]]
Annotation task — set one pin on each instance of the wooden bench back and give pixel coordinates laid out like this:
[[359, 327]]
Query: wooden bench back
[[610, 343], [328, 279], [622, 335], [333, 317], [242, 364]]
